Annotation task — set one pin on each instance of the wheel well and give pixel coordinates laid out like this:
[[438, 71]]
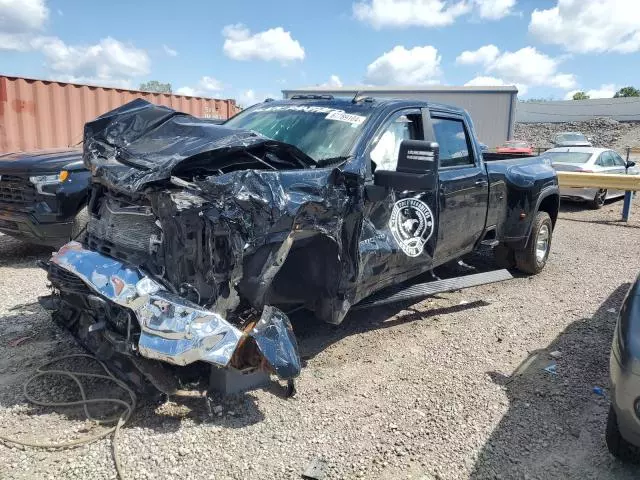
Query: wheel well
[[551, 205], [309, 274]]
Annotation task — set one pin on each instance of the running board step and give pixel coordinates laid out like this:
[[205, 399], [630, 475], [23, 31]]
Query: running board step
[[423, 290]]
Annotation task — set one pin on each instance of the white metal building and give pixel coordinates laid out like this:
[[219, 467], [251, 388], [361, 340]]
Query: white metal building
[[492, 108]]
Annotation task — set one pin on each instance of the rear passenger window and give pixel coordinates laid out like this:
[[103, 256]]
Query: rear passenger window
[[617, 160], [455, 147], [606, 160]]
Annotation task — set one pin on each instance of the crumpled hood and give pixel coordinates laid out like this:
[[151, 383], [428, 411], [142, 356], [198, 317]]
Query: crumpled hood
[[140, 143]]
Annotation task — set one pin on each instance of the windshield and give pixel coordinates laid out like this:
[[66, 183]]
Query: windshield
[[319, 131], [568, 157], [571, 137]]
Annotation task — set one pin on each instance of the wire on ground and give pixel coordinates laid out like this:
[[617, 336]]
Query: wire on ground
[[119, 420]]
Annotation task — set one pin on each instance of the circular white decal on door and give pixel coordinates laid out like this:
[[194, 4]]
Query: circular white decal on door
[[411, 224]]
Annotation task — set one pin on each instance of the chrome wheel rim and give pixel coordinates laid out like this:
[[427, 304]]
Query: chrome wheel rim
[[542, 243]]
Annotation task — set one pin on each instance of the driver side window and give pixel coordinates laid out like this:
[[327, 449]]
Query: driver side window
[[401, 126]]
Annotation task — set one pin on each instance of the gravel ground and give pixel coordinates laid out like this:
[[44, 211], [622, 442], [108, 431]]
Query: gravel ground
[[431, 390]]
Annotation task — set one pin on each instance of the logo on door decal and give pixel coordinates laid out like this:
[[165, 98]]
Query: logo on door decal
[[411, 224]]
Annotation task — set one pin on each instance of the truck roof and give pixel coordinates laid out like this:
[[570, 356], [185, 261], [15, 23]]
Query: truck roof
[[346, 103]]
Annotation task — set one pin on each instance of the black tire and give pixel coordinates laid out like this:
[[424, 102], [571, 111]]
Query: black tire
[[504, 256], [79, 227], [618, 446], [526, 259], [598, 200]]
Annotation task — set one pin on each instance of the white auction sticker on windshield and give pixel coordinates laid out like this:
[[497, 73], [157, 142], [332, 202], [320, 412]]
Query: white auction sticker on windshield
[[341, 116]]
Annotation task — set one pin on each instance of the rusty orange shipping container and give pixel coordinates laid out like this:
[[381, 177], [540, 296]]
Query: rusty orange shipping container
[[38, 114]]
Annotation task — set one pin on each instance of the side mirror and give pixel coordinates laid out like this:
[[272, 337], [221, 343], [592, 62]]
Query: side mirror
[[417, 168], [630, 163], [418, 156], [484, 147]]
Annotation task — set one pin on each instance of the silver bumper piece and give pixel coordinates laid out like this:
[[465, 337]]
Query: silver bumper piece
[[173, 329]]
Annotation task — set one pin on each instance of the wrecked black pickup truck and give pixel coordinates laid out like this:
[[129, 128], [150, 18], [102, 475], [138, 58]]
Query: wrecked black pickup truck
[[201, 236]]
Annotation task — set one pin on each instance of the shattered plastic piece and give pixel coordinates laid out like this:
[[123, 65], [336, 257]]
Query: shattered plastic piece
[[316, 470], [555, 354], [599, 391], [277, 343], [19, 341], [551, 368], [611, 310]]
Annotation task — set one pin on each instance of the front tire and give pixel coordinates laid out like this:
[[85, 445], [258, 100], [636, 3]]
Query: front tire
[[618, 446], [598, 200], [533, 258], [79, 227]]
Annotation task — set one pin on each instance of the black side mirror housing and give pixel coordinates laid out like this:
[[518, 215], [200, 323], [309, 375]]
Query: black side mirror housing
[[417, 167], [418, 156], [630, 163]]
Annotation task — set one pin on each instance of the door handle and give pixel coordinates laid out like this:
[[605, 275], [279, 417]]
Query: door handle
[[481, 183]]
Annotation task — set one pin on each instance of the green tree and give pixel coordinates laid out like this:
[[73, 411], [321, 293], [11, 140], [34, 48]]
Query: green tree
[[627, 92], [155, 86], [580, 96]]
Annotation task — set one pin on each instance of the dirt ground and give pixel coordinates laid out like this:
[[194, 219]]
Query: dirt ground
[[438, 389]]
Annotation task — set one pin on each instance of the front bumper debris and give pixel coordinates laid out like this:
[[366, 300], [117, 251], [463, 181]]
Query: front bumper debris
[[173, 329]]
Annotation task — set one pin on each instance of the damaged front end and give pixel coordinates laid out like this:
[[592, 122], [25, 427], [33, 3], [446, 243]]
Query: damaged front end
[[136, 315], [192, 251]]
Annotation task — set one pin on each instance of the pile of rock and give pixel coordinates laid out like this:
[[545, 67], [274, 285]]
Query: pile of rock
[[604, 132]]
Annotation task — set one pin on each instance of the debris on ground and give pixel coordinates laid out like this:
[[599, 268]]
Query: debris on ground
[[316, 470]]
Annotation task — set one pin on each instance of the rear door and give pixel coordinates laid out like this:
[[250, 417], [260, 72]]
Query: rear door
[[620, 167], [463, 188], [607, 165]]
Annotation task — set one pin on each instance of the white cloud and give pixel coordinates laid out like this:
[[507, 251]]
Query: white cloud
[[113, 82], [334, 81], [210, 84], [170, 51], [524, 67], [20, 21], [482, 81], [188, 91], [407, 13], [585, 26], [419, 65], [483, 55], [206, 87], [18, 16], [272, 44], [605, 91], [427, 13], [108, 62], [105, 60], [249, 97], [494, 9]]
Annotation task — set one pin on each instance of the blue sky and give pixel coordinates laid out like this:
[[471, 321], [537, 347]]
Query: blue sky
[[249, 49]]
